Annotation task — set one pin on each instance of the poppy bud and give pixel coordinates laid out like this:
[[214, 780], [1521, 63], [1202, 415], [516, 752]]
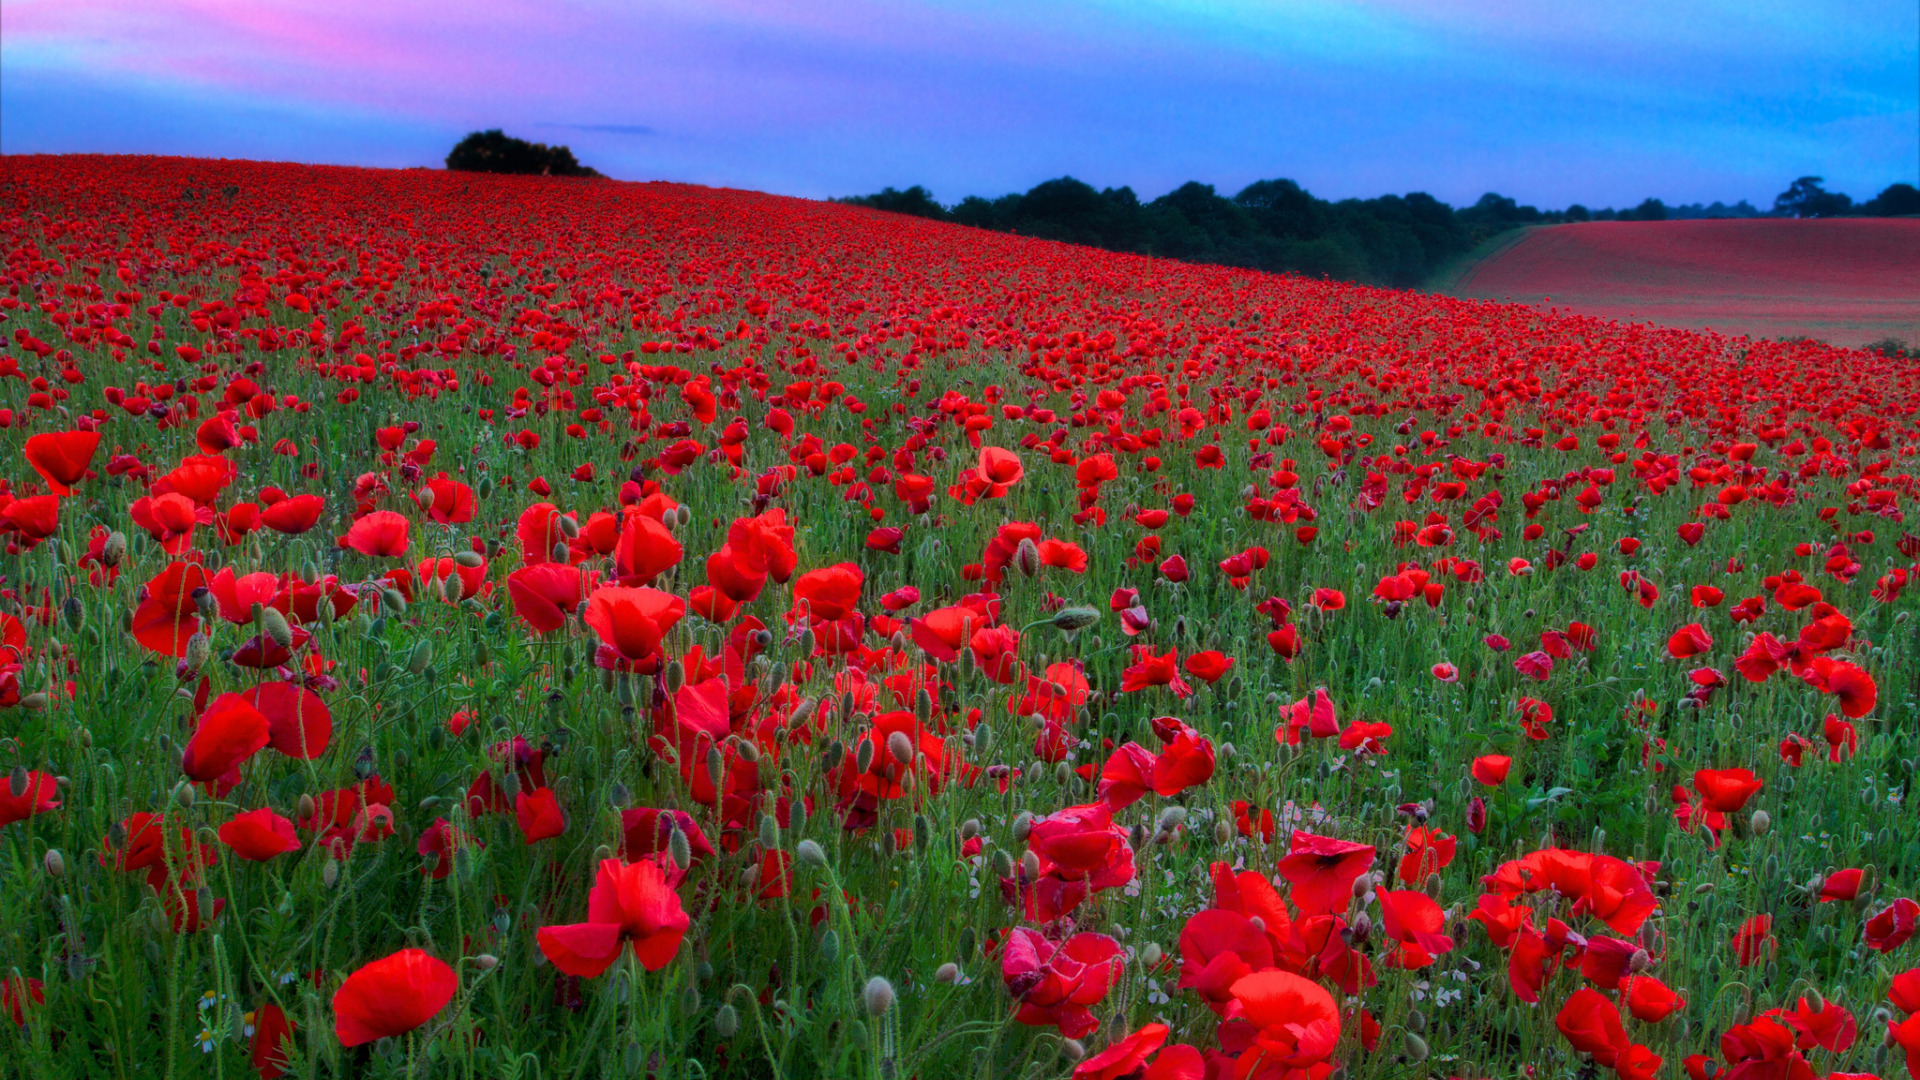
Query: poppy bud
[[469, 559], [1477, 815], [484, 488], [810, 853], [1022, 825], [17, 782], [796, 814], [835, 752], [726, 1022], [948, 973], [1002, 864], [769, 833], [1761, 822], [1415, 1047], [330, 873], [923, 705], [114, 550], [1027, 557], [863, 757], [1170, 819], [205, 603], [676, 677], [363, 763], [1063, 774], [1072, 619], [1030, 863], [922, 833], [716, 765], [1433, 886], [683, 515], [392, 602], [877, 996], [618, 796], [829, 948], [1072, 1049], [679, 848], [900, 747], [183, 794], [486, 961], [1222, 832], [1639, 961], [74, 612], [306, 807]]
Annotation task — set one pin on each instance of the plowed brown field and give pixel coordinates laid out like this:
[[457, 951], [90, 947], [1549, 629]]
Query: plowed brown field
[[1846, 281]]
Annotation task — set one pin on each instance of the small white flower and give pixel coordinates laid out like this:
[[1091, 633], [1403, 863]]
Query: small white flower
[[206, 1040]]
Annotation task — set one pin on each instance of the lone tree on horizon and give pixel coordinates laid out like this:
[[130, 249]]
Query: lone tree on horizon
[[496, 152]]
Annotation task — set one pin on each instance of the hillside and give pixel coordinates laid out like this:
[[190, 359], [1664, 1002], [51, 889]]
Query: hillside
[[1845, 281]]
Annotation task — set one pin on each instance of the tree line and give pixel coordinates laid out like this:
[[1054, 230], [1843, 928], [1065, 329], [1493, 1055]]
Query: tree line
[[1393, 240]]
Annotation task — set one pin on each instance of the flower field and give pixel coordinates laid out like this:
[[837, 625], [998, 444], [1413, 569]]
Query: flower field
[[463, 626]]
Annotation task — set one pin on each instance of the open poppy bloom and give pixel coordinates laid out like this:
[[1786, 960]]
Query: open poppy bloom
[[392, 996], [1323, 870], [631, 904]]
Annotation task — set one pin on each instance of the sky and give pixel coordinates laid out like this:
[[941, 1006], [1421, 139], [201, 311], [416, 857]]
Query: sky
[[1600, 103]]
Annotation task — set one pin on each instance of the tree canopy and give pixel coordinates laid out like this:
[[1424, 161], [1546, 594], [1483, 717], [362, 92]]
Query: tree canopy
[[496, 152]]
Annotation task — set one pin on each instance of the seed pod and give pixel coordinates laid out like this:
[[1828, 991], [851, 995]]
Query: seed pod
[[877, 996]]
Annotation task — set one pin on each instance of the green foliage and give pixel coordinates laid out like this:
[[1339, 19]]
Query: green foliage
[[1808, 198]]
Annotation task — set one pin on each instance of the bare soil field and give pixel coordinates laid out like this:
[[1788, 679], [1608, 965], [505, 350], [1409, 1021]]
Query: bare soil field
[[1847, 282]]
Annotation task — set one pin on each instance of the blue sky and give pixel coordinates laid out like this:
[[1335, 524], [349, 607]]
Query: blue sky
[[1598, 103]]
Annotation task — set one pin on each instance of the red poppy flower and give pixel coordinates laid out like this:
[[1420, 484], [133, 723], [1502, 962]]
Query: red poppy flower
[[1323, 870], [229, 732], [392, 996], [631, 623], [630, 902], [1492, 769], [62, 457], [259, 835], [381, 534]]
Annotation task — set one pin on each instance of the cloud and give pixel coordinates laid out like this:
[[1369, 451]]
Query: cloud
[[607, 129]]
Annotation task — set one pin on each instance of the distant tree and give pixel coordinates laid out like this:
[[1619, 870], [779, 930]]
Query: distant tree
[[1806, 198], [1649, 210], [495, 152], [1897, 200], [1576, 212], [916, 200]]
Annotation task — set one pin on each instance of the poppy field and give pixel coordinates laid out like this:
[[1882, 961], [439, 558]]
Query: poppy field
[[459, 626]]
